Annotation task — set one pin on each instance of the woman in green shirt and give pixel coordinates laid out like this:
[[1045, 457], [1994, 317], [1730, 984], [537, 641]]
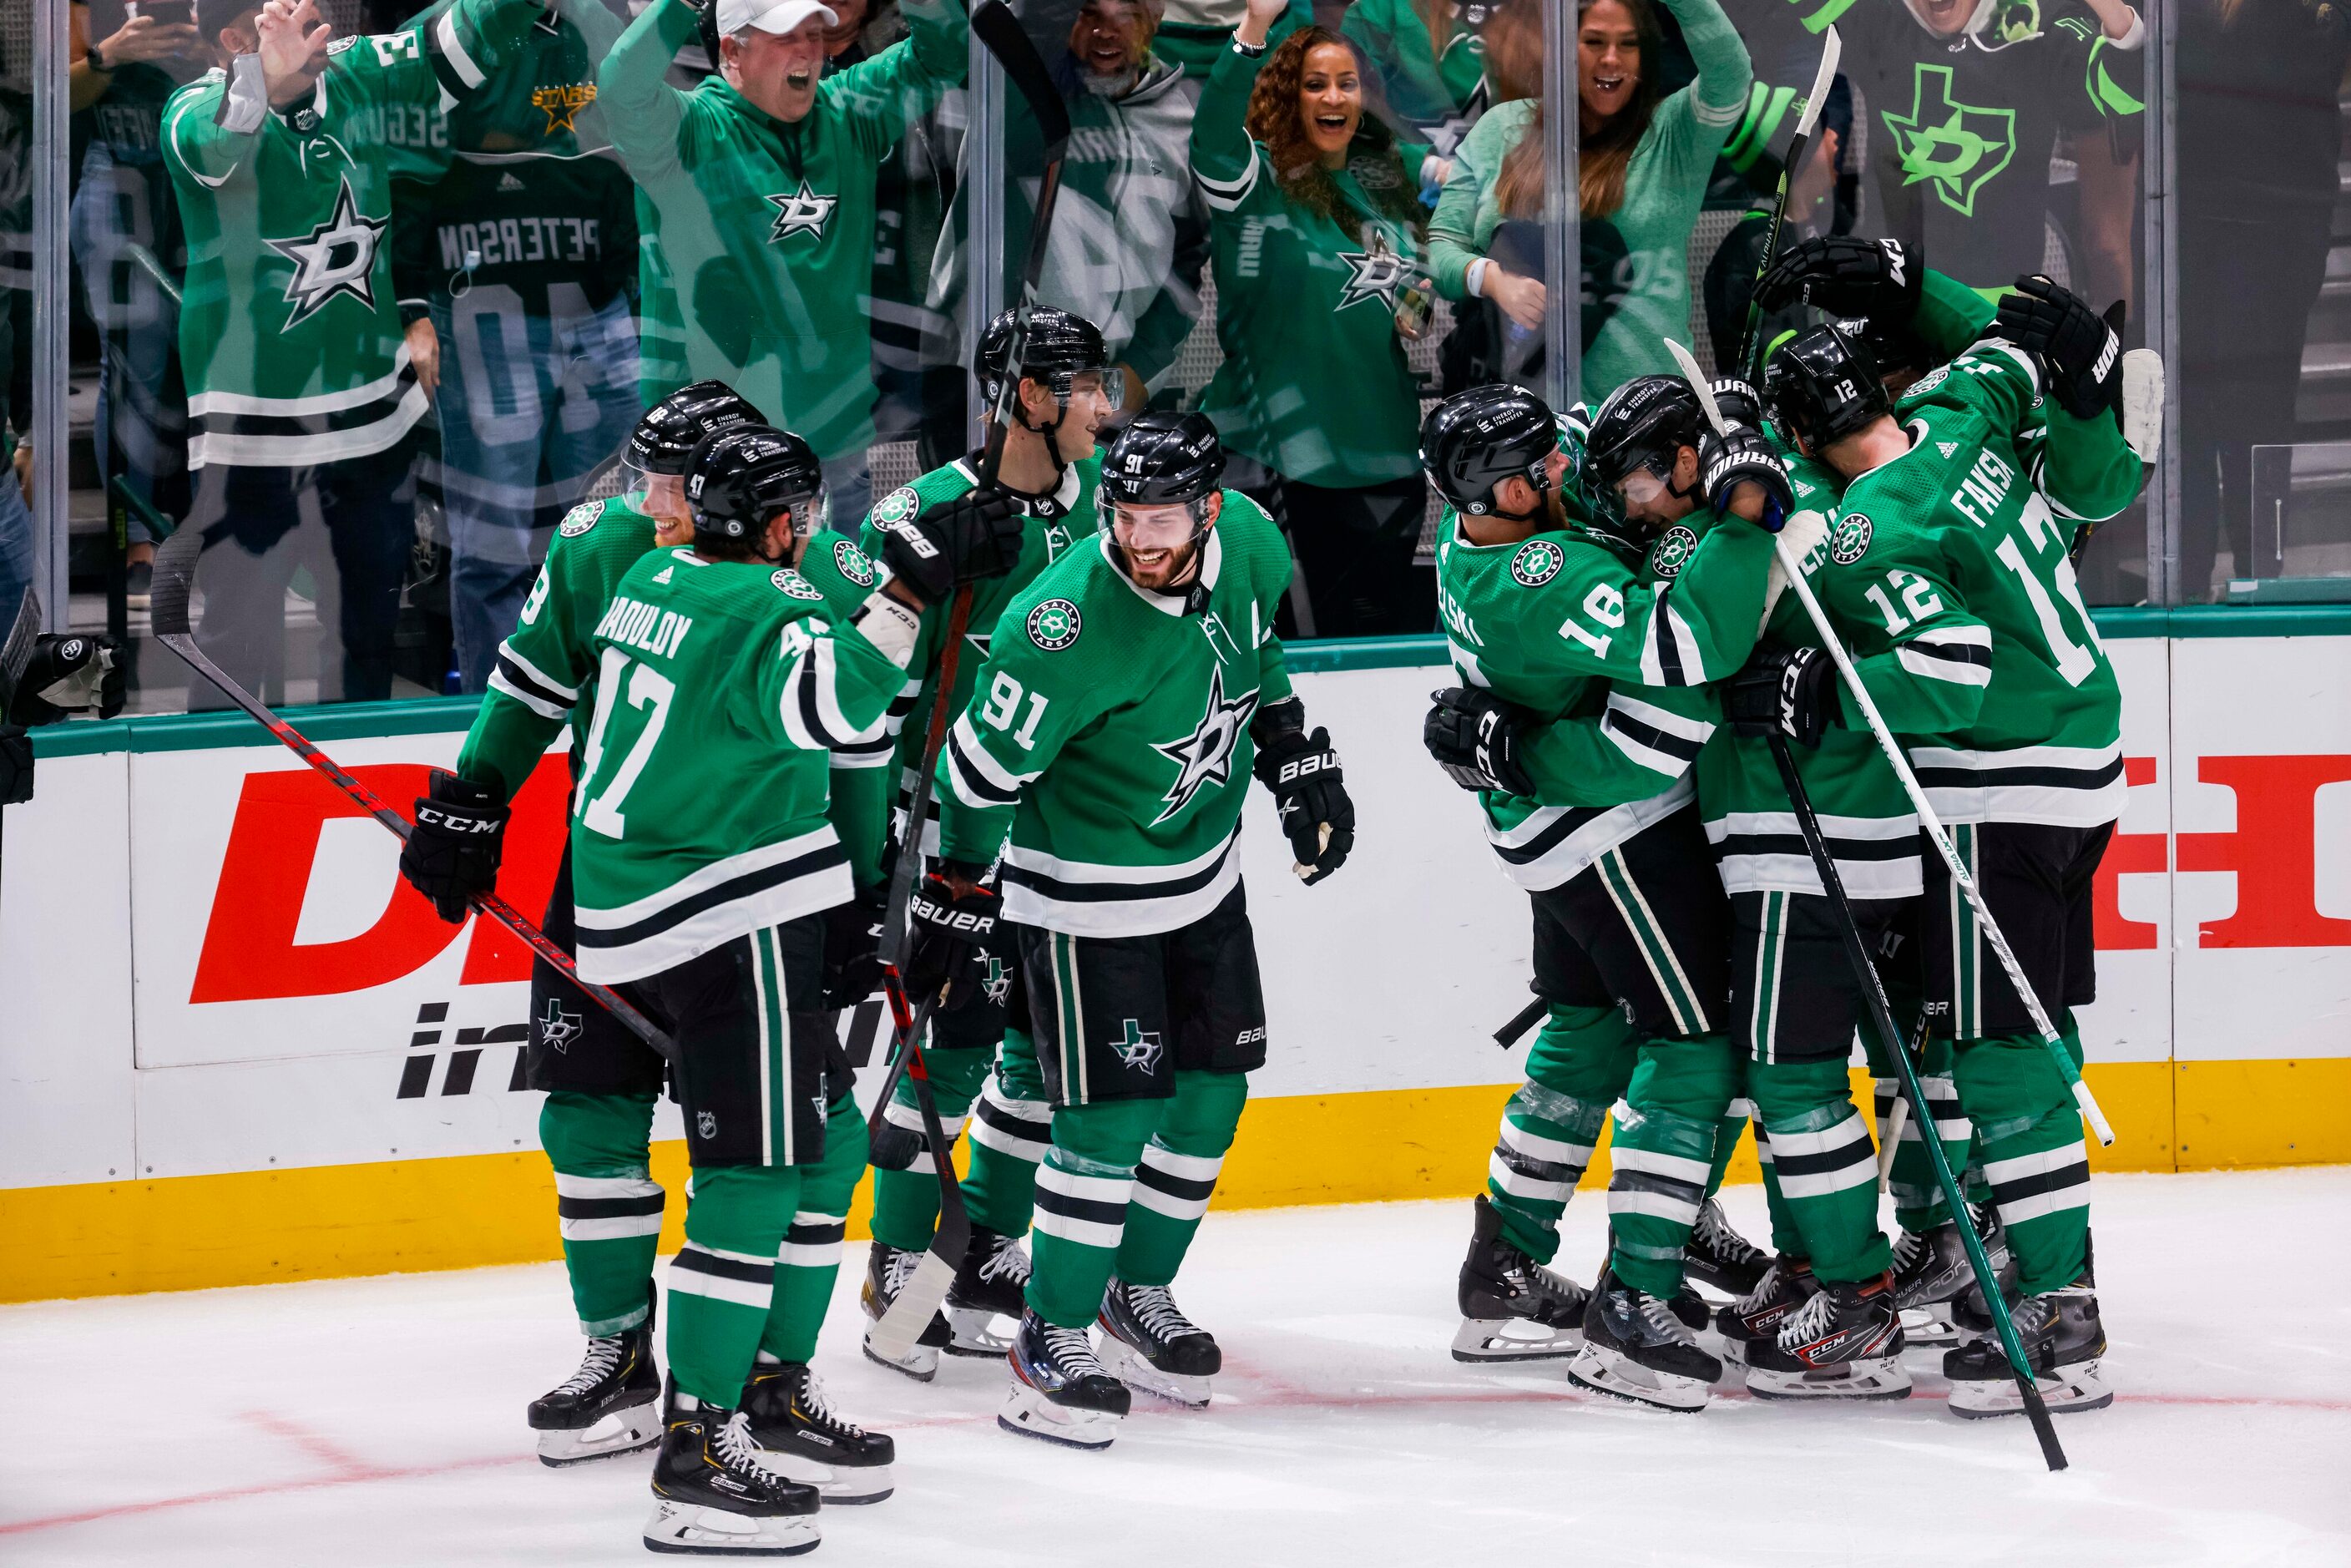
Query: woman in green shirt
[[1316, 230], [1642, 169]]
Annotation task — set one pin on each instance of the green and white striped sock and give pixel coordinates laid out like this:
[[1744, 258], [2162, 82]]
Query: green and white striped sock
[[606, 1202]]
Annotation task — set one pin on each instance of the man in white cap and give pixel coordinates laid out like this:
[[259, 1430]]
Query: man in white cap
[[755, 199]]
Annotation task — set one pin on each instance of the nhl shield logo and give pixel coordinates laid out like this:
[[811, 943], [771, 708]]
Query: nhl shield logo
[[1850, 540], [898, 507], [705, 1124], [1673, 552], [580, 518], [852, 564], [1536, 562], [795, 586], [1054, 624]]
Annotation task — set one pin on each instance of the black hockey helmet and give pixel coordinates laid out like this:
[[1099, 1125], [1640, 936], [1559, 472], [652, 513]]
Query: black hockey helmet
[[1894, 349], [1643, 424], [1161, 459], [1476, 439], [1059, 346], [738, 479], [1821, 385], [666, 436]]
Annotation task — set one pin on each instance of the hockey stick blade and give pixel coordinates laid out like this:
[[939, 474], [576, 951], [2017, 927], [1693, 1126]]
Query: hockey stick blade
[[1687, 362], [1000, 33], [1799, 143], [894, 1334], [1832, 53], [16, 649]]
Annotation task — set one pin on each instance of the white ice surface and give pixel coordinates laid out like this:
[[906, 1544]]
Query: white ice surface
[[360, 1422]]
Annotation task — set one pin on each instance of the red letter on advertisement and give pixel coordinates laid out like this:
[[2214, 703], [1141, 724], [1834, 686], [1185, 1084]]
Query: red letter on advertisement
[[2125, 853], [2271, 852], [249, 952]]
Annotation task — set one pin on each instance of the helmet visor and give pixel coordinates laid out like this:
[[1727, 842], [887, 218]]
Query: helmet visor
[[1106, 384]]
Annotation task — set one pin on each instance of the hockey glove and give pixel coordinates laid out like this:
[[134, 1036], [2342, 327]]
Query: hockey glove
[[453, 852], [1744, 456], [1788, 691], [2084, 352], [950, 934], [972, 537], [1309, 789], [852, 947], [1474, 735], [1737, 401], [1846, 275], [15, 766], [68, 674]]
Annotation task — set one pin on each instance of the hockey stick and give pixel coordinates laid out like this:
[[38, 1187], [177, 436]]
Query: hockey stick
[[894, 1334], [1873, 992], [174, 577], [1521, 1022], [1930, 824], [1831, 51], [15, 653], [1897, 1118]]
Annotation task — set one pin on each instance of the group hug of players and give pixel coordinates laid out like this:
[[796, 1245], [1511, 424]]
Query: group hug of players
[[748, 694]]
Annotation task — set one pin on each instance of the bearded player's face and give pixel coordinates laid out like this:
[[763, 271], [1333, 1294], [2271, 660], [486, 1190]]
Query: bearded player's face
[[1158, 544]]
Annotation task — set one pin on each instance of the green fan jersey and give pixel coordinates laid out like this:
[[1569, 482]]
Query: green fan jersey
[[1436, 97], [765, 266], [700, 816], [1108, 735], [1314, 384], [289, 329]]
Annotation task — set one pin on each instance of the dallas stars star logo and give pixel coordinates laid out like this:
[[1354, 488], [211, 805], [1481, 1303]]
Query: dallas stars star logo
[[802, 212], [1374, 274], [1956, 147], [336, 258], [561, 105], [1206, 756]]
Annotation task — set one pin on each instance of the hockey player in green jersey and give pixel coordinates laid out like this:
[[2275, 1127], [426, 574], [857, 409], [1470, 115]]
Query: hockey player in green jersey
[[757, 187], [1582, 715], [1047, 481], [301, 388], [1129, 694], [1968, 631]]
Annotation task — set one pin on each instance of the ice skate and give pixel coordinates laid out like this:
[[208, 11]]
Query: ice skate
[[1149, 1344], [610, 1406], [803, 1438], [1931, 1268], [1970, 1319], [1786, 1285], [1512, 1308], [712, 1495], [1721, 1258], [1636, 1349], [1846, 1343], [988, 1286], [1061, 1392], [2064, 1341], [887, 1270]]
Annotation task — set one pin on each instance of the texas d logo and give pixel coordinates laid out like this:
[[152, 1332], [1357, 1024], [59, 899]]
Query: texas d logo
[[1139, 1051], [559, 1028], [336, 258], [1956, 146], [1206, 756]]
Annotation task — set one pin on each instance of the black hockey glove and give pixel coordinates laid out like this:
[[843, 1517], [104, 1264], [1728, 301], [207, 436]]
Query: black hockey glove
[[2082, 350], [972, 537], [949, 935], [15, 766], [453, 852], [1309, 789], [1846, 275], [76, 673], [1788, 691], [1745, 456], [852, 947], [1474, 735], [1737, 401]]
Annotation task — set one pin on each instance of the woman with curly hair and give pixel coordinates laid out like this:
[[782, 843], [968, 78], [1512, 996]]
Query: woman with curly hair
[[1643, 162], [1316, 219]]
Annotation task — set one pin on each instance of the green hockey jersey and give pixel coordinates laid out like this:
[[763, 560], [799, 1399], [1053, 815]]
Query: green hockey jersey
[[1433, 97], [1108, 735], [1314, 384], [764, 270], [289, 329], [700, 814]]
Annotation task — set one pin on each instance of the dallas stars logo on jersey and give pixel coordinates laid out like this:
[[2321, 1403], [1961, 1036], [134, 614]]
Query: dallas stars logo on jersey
[[1206, 756], [561, 105], [801, 212], [1536, 562], [334, 258], [1672, 551], [1373, 274], [1957, 146], [1135, 1048]]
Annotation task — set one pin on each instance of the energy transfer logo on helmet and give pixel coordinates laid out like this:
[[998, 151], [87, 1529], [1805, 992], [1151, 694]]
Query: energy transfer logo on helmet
[[1054, 624], [1673, 552], [1850, 542], [1536, 562]]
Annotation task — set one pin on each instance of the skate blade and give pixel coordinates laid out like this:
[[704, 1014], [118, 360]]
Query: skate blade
[[840, 1486], [686, 1527], [1028, 1414], [2079, 1388], [922, 1362], [621, 1431], [1879, 1379], [1623, 1378], [1126, 1364], [973, 1331], [1513, 1339], [1924, 1327]]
